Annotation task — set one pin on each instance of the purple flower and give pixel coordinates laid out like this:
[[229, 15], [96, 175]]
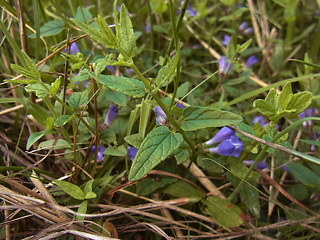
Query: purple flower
[[230, 147], [226, 40], [224, 66], [259, 165], [161, 116], [179, 105], [224, 134], [73, 49], [112, 113], [285, 168], [245, 29], [251, 60], [101, 149], [309, 112], [111, 69], [147, 27], [85, 83], [261, 121], [132, 152], [190, 11]]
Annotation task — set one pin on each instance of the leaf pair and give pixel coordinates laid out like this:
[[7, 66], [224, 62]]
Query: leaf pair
[[287, 104]]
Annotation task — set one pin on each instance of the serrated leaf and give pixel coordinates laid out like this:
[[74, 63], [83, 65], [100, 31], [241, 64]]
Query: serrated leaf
[[167, 71], [116, 151], [272, 97], [223, 212], [156, 147], [55, 86], [93, 33], [204, 117], [77, 99], [71, 189], [51, 28], [134, 140], [106, 31], [35, 137], [61, 144], [40, 90], [126, 36], [129, 86], [117, 98], [63, 119]]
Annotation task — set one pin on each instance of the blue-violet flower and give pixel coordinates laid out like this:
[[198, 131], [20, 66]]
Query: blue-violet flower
[[73, 49], [230, 147], [226, 40], [224, 66], [147, 27], [245, 29], [132, 152], [251, 60], [161, 116], [112, 113], [101, 149], [223, 134], [259, 165]]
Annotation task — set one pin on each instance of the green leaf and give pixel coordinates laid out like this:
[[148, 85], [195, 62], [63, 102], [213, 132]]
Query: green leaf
[[77, 99], [167, 71], [51, 28], [204, 117], [93, 33], [35, 137], [304, 174], [316, 143], [63, 119], [231, 49], [40, 90], [148, 185], [55, 86], [106, 31], [88, 186], [116, 151], [126, 36], [128, 86], [156, 147], [61, 144], [29, 70], [299, 102], [82, 209], [178, 189], [158, 6], [83, 14], [285, 96], [134, 140], [71, 189], [181, 155], [223, 212], [266, 109], [244, 46], [38, 112], [90, 195], [117, 98]]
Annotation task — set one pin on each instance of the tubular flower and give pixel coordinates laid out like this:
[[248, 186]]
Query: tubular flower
[[259, 165], [230, 147], [224, 134], [245, 29], [226, 40], [190, 11], [73, 49], [261, 121], [101, 149], [161, 116], [112, 113], [132, 152], [251, 60], [224, 66]]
